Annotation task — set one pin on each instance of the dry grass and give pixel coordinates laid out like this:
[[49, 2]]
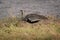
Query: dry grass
[[13, 29]]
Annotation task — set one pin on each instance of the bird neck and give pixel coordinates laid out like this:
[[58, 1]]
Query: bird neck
[[21, 14]]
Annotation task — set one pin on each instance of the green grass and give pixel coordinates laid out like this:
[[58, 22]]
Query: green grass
[[13, 29]]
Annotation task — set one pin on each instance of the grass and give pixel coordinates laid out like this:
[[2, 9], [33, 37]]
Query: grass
[[13, 29]]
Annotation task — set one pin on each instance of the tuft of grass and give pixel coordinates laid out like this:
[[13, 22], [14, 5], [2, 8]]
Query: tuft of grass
[[15, 29]]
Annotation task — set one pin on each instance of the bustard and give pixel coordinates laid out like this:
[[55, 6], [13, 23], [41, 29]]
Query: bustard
[[33, 18]]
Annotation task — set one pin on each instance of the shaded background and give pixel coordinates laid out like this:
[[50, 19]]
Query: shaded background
[[9, 8]]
